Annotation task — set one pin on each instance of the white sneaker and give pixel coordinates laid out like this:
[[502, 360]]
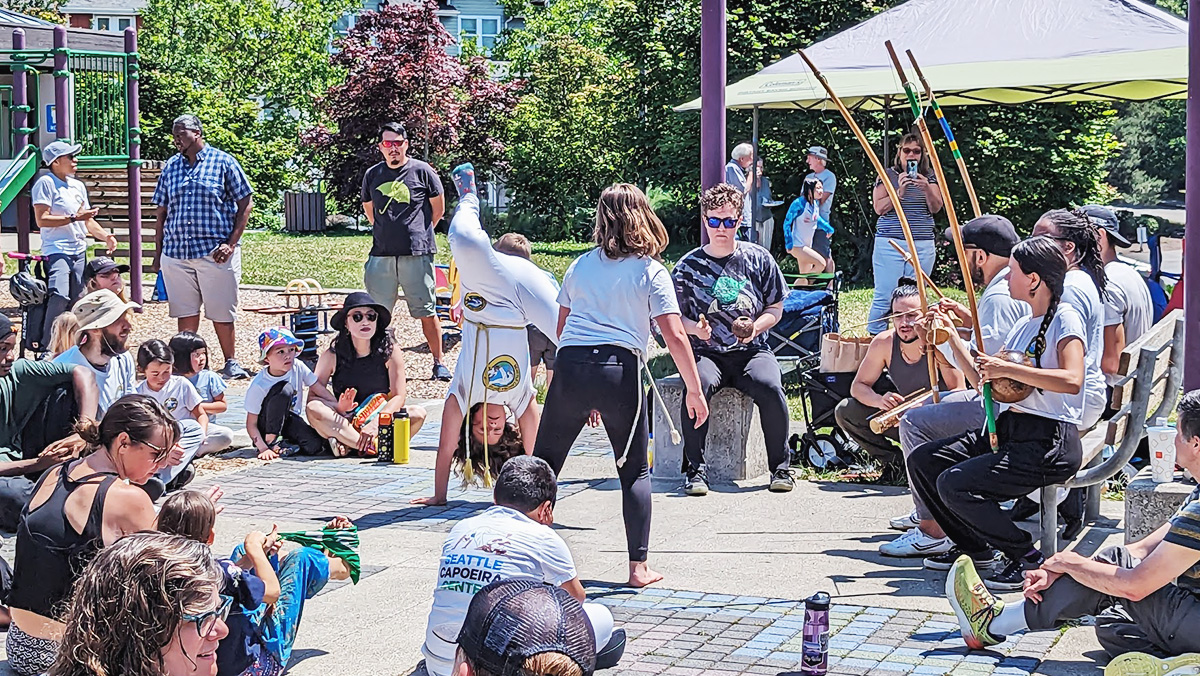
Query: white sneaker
[[904, 523], [915, 543]]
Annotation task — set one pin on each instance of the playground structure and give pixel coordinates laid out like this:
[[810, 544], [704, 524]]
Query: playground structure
[[85, 96]]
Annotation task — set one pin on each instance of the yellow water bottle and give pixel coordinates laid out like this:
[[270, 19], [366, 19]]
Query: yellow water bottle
[[400, 440]]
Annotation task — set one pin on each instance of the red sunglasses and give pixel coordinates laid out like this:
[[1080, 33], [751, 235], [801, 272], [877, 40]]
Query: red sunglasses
[[393, 144]]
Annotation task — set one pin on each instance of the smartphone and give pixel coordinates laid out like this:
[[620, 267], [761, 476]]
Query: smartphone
[[912, 168]]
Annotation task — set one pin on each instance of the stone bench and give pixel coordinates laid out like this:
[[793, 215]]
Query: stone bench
[[735, 448], [1148, 505]]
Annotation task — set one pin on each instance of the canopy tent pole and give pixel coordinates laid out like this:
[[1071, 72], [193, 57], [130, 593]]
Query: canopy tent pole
[[753, 176], [1191, 258], [712, 96], [887, 113]]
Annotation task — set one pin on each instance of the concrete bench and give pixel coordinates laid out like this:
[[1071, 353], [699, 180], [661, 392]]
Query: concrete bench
[[735, 449], [1148, 505], [1151, 375]]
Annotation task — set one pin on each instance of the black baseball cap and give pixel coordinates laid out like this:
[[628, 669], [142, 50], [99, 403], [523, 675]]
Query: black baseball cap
[[510, 621], [1104, 217], [991, 233], [6, 327], [101, 265]]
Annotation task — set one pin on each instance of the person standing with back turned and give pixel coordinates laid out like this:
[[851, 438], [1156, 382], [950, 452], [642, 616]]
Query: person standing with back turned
[[609, 295], [403, 199]]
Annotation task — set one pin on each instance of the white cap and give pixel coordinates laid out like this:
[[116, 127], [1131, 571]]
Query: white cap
[[57, 149]]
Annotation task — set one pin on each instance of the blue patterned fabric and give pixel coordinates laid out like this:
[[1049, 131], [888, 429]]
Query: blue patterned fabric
[[201, 201]]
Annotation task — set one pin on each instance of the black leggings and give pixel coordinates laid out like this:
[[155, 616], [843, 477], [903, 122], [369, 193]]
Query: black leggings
[[963, 482], [603, 378], [276, 418]]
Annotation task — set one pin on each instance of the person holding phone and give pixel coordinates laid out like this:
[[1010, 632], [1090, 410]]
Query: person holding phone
[[66, 219], [912, 176]]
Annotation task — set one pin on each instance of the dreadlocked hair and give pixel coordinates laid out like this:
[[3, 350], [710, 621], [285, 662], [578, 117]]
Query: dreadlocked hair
[[1074, 226], [509, 446], [1042, 256]]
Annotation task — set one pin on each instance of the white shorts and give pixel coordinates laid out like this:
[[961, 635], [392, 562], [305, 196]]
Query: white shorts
[[495, 361], [195, 282]]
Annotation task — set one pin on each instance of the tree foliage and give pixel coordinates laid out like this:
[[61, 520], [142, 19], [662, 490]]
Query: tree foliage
[[46, 10], [248, 69], [1024, 160], [397, 69]]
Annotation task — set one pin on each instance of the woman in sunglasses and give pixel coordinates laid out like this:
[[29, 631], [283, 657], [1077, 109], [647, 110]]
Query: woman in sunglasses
[[365, 374], [147, 606], [78, 508]]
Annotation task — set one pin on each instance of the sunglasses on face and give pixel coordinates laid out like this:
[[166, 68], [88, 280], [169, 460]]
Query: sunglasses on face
[[910, 151], [729, 223], [392, 144], [160, 453], [206, 622], [359, 316]]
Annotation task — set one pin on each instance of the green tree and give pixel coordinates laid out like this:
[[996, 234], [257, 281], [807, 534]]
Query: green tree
[[47, 10], [249, 69]]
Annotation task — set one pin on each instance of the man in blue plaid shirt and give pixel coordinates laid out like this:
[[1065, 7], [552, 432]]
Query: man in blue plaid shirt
[[204, 201]]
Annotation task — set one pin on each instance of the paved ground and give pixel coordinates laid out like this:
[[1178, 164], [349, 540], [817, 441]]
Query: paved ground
[[738, 564]]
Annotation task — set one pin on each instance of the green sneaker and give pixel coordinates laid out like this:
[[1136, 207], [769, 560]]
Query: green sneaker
[[1141, 664], [973, 604]]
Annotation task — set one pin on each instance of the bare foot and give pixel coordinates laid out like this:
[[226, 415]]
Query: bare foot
[[641, 575]]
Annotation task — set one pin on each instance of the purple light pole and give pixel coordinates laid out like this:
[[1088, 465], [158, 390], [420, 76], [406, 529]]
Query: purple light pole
[[1191, 258], [712, 95], [62, 103], [20, 122], [132, 113]]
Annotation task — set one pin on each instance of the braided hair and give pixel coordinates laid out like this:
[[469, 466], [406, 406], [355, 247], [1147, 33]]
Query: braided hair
[[1042, 256], [1074, 226]]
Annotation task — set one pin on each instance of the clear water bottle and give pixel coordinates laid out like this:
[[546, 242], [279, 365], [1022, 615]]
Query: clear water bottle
[[816, 635]]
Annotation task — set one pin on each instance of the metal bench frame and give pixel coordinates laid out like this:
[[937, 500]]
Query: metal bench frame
[[1154, 359]]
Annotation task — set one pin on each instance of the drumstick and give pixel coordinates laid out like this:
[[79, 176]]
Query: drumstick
[[908, 259]]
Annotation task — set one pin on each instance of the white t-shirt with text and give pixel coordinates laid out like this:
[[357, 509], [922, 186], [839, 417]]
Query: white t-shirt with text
[[297, 378], [612, 301], [65, 198], [499, 544], [117, 379], [178, 396]]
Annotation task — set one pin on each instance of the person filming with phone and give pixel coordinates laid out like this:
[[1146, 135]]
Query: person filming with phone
[[912, 176]]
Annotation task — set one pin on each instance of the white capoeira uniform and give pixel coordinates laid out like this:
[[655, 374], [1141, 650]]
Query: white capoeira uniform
[[502, 294]]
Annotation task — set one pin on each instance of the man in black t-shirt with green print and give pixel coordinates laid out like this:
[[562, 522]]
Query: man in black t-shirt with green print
[[403, 199]]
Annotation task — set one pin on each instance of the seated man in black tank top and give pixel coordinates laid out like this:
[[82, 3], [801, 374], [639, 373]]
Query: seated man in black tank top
[[41, 401], [901, 352]]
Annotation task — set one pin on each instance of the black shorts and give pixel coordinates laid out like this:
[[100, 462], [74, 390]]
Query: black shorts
[[541, 349]]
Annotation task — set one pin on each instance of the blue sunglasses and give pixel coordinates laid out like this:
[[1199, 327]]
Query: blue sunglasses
[[729, 223]]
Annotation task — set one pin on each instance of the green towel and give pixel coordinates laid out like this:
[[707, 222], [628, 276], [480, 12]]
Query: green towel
[[339, 542]]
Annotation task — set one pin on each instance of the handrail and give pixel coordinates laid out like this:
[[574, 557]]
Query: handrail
[[18, 162]]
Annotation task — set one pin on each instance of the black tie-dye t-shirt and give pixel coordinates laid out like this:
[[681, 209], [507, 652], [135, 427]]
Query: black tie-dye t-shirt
[[741, 284]]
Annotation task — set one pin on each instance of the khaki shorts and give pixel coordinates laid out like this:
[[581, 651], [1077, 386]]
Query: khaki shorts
[[383, 275], [195, 282]]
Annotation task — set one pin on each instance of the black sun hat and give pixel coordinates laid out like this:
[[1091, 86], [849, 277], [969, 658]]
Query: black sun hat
[[361, 299]]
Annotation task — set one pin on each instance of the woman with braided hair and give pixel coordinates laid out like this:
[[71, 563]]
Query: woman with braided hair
[[960, 479]]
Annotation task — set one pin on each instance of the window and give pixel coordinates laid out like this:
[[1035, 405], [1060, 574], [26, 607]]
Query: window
[[483, 30], [116, 24]]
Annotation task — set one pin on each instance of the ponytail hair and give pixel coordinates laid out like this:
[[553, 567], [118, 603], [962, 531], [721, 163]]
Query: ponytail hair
[[1042, 256], [136, 414], [1074, 226]]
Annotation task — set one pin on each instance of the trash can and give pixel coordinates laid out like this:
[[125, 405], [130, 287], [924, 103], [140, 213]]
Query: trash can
[[304, 212]]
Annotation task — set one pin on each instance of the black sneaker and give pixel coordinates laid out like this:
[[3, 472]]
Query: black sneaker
[[440, 372], [1023, 509], [1072, 528], [781, 481], [984, 561], [183, 478], [1012, 576], [697, 482]]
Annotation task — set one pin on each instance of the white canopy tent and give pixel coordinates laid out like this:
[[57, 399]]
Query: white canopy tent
[[987, 52]]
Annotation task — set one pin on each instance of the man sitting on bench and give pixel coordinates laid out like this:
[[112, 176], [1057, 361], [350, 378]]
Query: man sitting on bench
[[1145, 596], [901, 352], [40, 401]]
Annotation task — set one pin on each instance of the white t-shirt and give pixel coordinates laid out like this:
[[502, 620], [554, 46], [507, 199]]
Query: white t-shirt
[[499, 544], [65, 198], [298, 378], [114, 381], [805, 225], [178, 396], [1080, 292], [612, 301], [1127, 301], [1067, 323], [998, 313]]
